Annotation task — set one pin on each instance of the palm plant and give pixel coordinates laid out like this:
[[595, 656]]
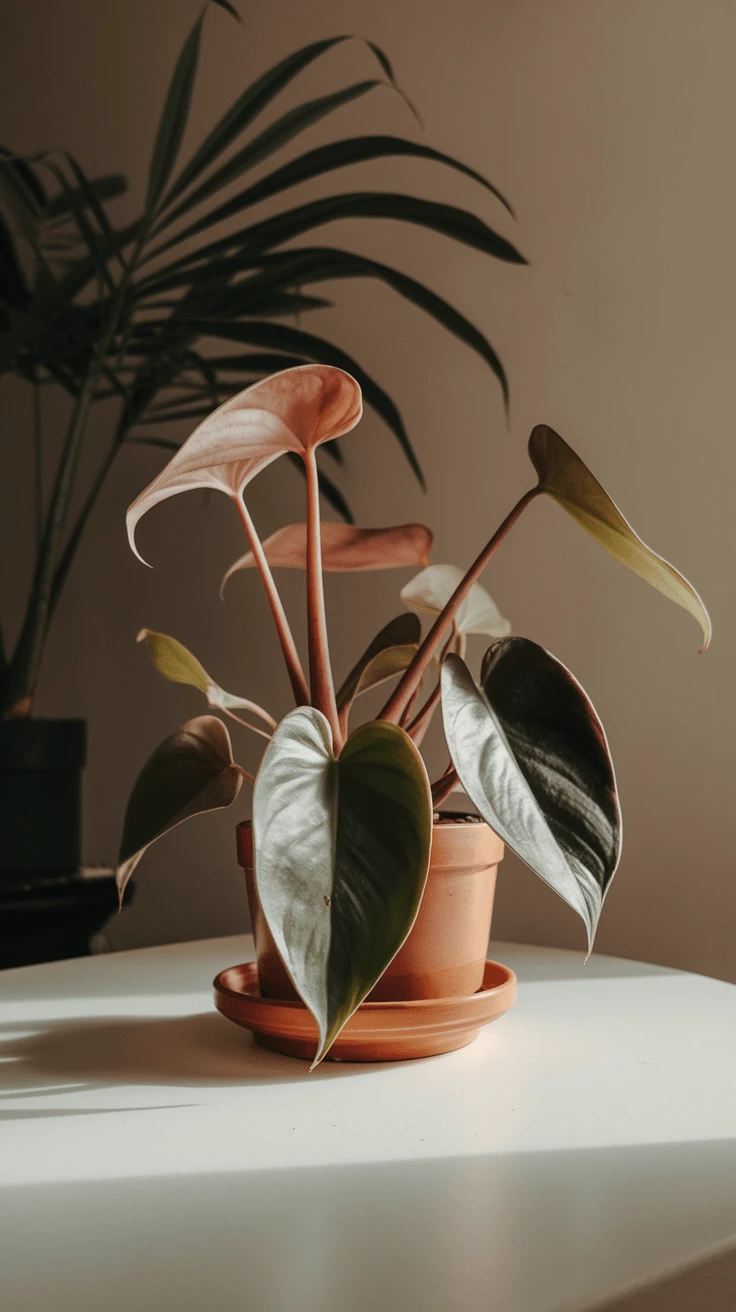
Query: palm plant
[[124, 312]]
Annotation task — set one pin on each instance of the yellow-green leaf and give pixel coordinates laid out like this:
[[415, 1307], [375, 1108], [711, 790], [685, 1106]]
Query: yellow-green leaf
[[564, 476], [178, 665]]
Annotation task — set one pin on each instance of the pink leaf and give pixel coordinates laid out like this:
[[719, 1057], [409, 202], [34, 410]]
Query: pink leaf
[[345, 547], [294, 410]]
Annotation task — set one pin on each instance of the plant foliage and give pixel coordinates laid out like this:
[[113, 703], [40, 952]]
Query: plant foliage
[[172, 313]]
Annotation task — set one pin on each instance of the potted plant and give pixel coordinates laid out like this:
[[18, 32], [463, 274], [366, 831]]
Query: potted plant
[[165, 316], [343, 829]]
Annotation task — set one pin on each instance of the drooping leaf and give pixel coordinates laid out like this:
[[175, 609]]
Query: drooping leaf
[[190, 772], [292, 411], [174, 117], [447, 220], [341, 857], [532, 755], [429, 592], [317, 264], [313, 163], [399, 636], [344, 547], [178, 665], [564, 477]]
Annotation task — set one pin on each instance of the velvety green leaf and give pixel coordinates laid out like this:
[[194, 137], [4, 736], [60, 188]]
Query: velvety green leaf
[[178, 665], [341, 857], [174, 117], [532, 755], [190, 772], [564, 477]]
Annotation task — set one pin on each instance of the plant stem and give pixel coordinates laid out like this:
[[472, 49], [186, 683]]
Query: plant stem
[[288, 646], [37, 465], [399, 699], [320, 667], [246, 725], [444, 785], [419, 725]]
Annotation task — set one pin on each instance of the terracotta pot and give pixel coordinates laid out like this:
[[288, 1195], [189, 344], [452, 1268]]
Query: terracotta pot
[[445, 953]]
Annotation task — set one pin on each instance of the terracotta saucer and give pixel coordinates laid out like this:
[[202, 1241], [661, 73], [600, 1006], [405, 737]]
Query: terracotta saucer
[[377, 1031]]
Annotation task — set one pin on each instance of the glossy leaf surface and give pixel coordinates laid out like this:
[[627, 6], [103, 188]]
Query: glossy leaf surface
[[532, 755], [292, 411], [341, 857], [345, 547], [190, 772], [429, 592], [178, 665], [564, 476]]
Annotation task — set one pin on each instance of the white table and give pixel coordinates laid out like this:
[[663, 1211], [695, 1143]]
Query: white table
[[581, 1154]]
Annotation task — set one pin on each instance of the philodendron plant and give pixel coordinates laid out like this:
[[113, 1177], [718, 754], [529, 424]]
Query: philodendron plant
[[342, 819]]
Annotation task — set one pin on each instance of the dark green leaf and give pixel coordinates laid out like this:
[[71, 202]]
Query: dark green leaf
[[447, 220], [192, 771], [174, 118], [246, 108], [532, 755], [12, 283], [105, 188], [337, 154], [272, 139], [402, 632], [342, 853]]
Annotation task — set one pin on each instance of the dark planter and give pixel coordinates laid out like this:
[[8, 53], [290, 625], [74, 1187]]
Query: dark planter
[[49, 907], [41, 764]]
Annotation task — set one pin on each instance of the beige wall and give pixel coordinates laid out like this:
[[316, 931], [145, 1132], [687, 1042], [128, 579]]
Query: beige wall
[[611, 127]]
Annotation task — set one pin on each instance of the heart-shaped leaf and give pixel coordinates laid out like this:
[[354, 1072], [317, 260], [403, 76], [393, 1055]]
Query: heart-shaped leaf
[[190, 772], [295, 410], [429, 592], [178, 665], [563, 476], [341, 857], [344, 547], [532, 755], [388, 654]]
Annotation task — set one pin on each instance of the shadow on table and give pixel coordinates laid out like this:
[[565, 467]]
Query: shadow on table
[[199, 1051]]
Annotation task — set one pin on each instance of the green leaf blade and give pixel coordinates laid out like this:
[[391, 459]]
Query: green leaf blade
[[174, 118], [190, 772], [341, 857], [532, 755], [565, 478]]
